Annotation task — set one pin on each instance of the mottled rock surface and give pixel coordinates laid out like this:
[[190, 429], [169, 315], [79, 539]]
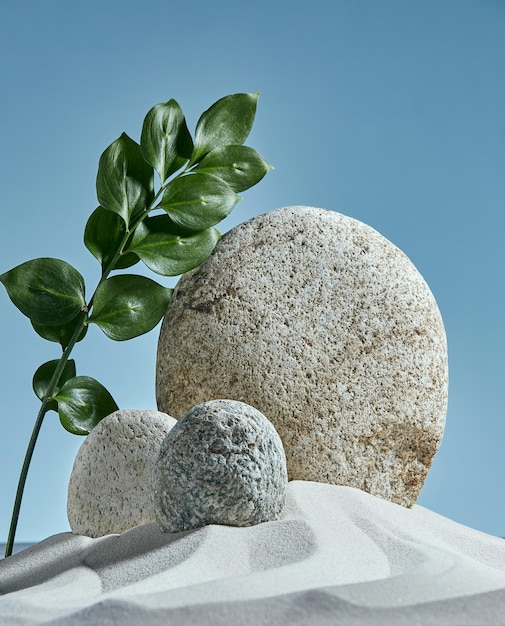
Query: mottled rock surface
[[223, 463], [110, 485], [325, 326]]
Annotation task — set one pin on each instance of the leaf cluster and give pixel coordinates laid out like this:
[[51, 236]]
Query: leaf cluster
[[169, 226]]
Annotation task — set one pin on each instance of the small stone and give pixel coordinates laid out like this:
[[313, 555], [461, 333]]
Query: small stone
[[110, 485], [223, 463], [324, 325]]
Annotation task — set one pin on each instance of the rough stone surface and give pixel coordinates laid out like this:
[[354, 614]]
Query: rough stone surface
[[110, 484], [326, 327], [223, 463]]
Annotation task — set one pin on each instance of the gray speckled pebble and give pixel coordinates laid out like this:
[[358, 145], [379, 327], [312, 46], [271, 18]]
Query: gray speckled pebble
[[110, 485], [223, 463], [327, 328]]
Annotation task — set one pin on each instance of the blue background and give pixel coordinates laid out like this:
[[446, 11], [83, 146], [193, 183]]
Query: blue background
[[392, 112]]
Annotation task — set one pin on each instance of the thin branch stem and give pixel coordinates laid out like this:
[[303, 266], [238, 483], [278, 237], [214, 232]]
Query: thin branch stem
[[22, 478], [35, 433]]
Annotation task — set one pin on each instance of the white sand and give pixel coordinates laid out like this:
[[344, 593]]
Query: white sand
[[338, 556]]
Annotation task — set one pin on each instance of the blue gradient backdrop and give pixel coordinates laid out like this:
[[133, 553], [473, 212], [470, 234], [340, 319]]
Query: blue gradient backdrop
[[392, 112]]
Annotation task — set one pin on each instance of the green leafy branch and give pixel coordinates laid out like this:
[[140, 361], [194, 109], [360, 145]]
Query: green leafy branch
[[198, 185]]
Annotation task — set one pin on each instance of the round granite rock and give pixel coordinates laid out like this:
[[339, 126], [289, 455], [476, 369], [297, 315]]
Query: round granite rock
[[110, 485], [223, 463], [326, 327]]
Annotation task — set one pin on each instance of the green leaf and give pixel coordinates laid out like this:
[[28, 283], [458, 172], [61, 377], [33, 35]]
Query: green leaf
[[103, 236], [166, 142], [125, 182], [127, 306], [198, 201], [48, 291], [227, 121], [43, 376], [239, 166], [82, 403], [165, 252], [62, 333]]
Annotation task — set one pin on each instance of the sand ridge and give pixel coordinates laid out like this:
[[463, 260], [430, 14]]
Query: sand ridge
[[338, 555]]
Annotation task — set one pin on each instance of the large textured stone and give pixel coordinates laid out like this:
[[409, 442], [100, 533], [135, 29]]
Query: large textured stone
[[325, 326], [223, 463], [110, 485]]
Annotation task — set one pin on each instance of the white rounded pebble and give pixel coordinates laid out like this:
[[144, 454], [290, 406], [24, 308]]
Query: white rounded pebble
[[327, 328], [223, 463], [110, 485]]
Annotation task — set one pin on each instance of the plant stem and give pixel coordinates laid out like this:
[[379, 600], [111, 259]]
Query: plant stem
[[35, 433], [22, 478]]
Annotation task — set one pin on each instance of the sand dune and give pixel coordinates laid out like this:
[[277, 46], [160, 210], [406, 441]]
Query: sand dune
[[338, 556]]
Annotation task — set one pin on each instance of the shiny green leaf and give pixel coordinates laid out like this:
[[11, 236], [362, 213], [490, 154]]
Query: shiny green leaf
[[166, 142], [239, 166], [61, 333], [125, 182], [168, 253], [127, 306], [198, 201], [82, 403], [103, 236], [227, 121], [48, 291], [43, 376]]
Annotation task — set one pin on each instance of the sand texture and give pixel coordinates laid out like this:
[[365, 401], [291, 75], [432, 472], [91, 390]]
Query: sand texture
[[337, 556]]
